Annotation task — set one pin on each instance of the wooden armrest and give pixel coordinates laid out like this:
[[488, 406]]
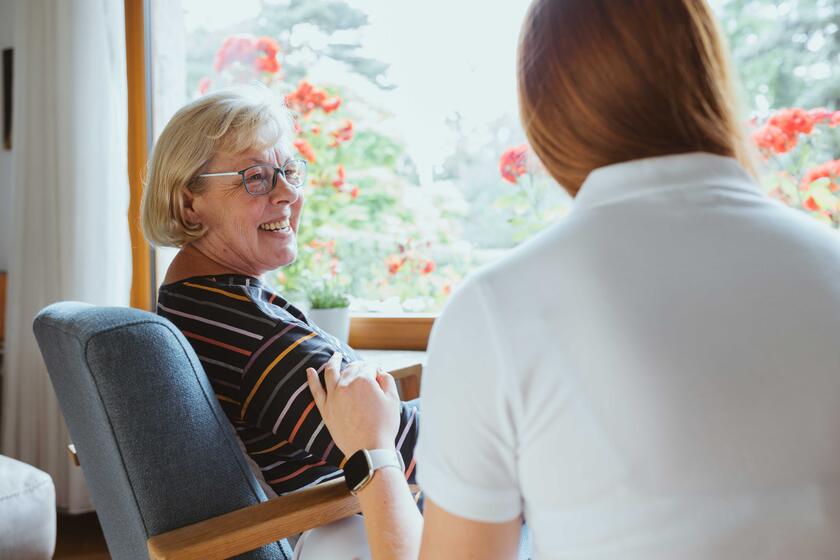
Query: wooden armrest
[[408, 380], [249, 528], [408, 371], [405, 365]]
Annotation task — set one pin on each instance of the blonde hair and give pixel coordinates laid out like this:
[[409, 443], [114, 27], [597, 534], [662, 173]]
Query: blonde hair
[[232, 121], [606, 81]]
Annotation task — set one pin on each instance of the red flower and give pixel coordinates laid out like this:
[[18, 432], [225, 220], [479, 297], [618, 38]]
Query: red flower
[[512, 163], [316, 130], [343, 134], [305, 149], [267, 64], [340, 179], [782, 129], [331, 105], [427, 266], [354, 193], [248, 50], [771, 138], [793, 121], [394, 263], [269, 46], [204, 85], [306, 98], [811, 204], [830, 169]]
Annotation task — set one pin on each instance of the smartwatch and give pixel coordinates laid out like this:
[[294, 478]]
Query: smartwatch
[[363, 464]]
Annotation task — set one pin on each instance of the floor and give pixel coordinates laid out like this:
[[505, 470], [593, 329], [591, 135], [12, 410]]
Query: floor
[[80, 538]]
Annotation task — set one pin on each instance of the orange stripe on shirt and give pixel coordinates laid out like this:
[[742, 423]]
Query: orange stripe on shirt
[[272, 448], [303, 416], [218, 343], [270, 367], [227, 399], [217, 290], [297, 472], [410, 468]]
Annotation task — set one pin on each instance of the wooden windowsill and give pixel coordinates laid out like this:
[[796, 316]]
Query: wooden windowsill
[[394, 332]]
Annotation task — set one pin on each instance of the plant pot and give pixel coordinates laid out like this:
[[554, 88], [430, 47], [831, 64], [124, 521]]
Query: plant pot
[[335, 321]]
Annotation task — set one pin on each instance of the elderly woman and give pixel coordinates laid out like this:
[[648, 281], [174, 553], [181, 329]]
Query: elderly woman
[[224, 187]]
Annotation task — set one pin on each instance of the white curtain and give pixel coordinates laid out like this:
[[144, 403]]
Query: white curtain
[[70, 199]]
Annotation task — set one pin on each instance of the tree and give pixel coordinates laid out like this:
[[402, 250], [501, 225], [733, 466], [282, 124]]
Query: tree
[[786, 53]]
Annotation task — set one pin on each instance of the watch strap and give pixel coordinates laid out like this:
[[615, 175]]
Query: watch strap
[[361, 466], [380, 458]]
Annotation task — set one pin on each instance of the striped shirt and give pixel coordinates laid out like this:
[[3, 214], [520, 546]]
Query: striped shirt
[[255, 348]]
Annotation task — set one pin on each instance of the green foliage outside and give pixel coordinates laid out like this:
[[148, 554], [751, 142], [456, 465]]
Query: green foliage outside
[[375, 233]]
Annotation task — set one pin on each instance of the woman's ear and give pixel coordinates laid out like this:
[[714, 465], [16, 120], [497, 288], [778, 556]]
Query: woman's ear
[[188, 204]]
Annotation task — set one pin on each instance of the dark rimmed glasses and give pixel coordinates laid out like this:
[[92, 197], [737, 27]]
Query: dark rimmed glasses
[[262, 178]]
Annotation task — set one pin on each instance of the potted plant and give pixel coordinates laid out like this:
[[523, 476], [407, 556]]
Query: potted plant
[[329, 307]]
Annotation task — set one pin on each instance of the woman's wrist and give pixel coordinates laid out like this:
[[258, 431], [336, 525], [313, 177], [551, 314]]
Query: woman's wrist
[[385, 481]]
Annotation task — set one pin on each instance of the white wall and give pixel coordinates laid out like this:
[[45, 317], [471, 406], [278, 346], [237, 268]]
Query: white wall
[[7, 30]]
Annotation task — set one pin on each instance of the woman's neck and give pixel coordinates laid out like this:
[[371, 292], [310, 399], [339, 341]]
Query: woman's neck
[[190, 262]]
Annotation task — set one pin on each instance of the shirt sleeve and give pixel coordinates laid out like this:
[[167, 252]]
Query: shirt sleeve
[[275, 394], [467, 451]]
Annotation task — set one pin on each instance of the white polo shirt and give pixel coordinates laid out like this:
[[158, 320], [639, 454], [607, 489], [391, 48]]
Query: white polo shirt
[[655, 377]]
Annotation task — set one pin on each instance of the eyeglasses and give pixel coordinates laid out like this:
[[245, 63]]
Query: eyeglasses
[[261, 179]]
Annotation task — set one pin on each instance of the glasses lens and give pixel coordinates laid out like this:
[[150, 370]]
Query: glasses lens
[[295, 172], [258, 179]]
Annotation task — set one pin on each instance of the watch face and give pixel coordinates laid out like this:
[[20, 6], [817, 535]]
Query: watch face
[[357, 470]]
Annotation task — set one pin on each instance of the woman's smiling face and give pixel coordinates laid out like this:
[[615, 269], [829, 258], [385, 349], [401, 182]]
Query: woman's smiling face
[[247, 234]]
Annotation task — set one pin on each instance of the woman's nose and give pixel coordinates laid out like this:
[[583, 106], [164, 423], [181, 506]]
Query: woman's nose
[[284, 193]]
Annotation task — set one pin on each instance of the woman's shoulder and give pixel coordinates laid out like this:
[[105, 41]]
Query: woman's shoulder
[[242, 297]]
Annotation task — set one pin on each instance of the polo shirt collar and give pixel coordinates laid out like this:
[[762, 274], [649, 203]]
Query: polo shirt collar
[[639, 177]]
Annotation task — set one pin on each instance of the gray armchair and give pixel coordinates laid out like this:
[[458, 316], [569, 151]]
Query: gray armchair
[[164, 469]]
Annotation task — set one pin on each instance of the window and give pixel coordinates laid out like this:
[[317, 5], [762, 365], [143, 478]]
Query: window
[[407, 113], [404, 118]]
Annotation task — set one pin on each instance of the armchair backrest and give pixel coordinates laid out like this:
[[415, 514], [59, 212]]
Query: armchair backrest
[[156, 450]]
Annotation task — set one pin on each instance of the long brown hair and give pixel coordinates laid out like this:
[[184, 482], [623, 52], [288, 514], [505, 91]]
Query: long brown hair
[[606, 81]]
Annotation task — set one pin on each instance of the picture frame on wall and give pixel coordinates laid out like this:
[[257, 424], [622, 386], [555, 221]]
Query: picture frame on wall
[[8, 56]]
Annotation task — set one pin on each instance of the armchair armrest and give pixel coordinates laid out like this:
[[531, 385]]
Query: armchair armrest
[[249, 528]]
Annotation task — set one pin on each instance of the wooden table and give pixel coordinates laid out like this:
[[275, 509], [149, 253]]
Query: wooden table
[[405, 365]]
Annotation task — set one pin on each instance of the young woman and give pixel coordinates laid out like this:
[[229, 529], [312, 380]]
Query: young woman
[[657, 375]]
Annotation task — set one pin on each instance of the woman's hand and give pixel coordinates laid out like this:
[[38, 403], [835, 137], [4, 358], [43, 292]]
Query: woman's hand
[[360, 405]]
